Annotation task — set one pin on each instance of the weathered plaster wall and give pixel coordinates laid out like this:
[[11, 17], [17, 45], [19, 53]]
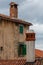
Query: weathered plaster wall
[[9, 38], [30, 51]]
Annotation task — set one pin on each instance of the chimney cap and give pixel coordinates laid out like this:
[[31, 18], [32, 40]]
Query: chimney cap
[[13, 3]]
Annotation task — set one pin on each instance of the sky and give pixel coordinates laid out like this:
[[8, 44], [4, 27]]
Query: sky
[[31, 11]]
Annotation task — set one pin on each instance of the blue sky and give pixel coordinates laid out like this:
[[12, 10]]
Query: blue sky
[[31, 11]]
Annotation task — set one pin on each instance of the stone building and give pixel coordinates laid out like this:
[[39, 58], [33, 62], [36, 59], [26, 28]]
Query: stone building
[[16, 39]]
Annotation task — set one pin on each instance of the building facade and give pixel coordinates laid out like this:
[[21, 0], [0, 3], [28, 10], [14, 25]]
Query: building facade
[[15, 41]]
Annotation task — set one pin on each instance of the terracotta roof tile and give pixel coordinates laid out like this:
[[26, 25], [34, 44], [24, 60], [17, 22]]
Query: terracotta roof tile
[[38, 53]]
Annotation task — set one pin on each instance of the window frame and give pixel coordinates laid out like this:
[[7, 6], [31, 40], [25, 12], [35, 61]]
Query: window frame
[[20, 54]]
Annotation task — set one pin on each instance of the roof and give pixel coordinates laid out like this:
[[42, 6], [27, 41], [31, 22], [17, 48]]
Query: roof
[[38, 53], [14, 20]]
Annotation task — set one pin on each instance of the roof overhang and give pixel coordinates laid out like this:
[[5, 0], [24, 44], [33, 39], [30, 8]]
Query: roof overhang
[[14, 20]]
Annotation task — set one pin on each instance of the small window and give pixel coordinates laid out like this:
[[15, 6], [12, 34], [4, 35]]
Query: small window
[[21, 29], [22, 50], [1, 48]]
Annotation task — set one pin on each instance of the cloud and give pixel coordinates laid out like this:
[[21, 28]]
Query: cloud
[[38, 29], [4, 5], [39, 46], [32, 10]]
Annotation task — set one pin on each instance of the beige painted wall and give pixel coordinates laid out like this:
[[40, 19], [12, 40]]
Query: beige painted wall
[[9, 38]]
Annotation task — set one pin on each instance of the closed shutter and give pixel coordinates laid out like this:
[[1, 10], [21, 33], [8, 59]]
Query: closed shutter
[[21, 28]]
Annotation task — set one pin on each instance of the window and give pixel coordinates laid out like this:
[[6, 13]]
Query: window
[[21, 29], [22, 50], [1, 48]]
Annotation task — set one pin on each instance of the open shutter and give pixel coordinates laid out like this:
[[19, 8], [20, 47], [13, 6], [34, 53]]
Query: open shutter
[[24, 49]]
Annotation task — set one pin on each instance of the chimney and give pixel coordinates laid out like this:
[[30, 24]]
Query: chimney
[[13, 10]]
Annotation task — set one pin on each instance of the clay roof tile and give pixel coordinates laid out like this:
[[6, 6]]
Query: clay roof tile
[[38, 53]]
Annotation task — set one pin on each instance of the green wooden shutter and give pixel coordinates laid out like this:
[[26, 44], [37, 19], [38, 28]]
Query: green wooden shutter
[[21, 28], [24, 50]]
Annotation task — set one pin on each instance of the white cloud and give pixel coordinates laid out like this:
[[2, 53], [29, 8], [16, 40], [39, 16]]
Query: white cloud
[[5, 11], [32, 10], [39, 46], [37, 27]]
